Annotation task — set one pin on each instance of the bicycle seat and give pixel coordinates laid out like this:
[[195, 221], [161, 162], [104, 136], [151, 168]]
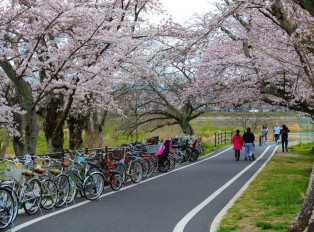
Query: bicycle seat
[[132, 157], [27, 173], [39, 170], [55, 171], [65, 164], [92, 163]]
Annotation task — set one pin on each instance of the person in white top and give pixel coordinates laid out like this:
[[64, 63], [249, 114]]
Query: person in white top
[[277, 132]]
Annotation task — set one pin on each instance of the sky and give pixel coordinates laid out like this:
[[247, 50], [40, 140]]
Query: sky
[[183, 10]]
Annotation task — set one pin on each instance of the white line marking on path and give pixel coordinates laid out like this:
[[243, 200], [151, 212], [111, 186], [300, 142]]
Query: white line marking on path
[[215, 224], [23, 225], [184, 221]]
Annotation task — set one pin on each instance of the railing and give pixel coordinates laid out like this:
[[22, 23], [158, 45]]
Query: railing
[[306, 136], [223, 137]]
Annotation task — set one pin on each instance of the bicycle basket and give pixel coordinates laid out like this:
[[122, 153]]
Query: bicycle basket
[[14, 172], [153, 148], [80, 159]]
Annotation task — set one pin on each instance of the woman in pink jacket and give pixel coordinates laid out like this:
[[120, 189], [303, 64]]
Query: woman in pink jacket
[[237, 141]]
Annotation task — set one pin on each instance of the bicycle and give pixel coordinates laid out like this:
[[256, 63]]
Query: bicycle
[[55, 180], [262, 140], [133, 167], [8, 207], [25, 188], [108, 169], [89, 184]]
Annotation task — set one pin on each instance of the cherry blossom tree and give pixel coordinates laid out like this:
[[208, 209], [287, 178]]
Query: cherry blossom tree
[[55, 51], [258, 54], [262, 52], [157, 95]]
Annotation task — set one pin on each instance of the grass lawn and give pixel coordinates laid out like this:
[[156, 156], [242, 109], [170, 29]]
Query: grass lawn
[[274, 198]]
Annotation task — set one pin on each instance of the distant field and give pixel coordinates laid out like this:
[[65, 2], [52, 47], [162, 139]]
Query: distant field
[[270, 118]]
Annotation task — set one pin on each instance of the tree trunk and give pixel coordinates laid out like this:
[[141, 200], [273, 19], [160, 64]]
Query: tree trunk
[[24, 95], [88, 131], [25, 98], [31, 131], [76, 126], [304, 216], [186, 127], [18, 141], [99, 121], [52, 114], [5, 146]]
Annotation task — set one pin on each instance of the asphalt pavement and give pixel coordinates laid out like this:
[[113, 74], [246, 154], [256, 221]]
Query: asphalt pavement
[[185, 199]]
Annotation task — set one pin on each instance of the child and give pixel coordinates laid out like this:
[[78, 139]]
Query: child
[[237, 141]]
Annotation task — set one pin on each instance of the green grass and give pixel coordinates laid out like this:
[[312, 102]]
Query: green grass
[[241, 113], [227, 228], [207, 129], [275, 197], [41, 147], [272, 226]]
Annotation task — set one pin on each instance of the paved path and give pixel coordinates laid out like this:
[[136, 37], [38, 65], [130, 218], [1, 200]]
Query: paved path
[[186, 199]]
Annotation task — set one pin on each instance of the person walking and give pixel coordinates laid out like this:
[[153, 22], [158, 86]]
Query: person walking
[[284, 138], [277, 132], [237, 141], [262, 137], [264, 131], [249, 139]]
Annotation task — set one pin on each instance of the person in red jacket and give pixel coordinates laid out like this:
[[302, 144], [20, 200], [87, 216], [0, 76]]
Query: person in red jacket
[[237, 141]]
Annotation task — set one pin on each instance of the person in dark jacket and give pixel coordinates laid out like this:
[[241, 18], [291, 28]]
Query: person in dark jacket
[[248, 139], [284, 137]]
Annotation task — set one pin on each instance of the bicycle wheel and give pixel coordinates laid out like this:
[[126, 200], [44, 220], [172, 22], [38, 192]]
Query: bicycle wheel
[[63, 184], [164, 167], [151, 167], [185, 156], [172, 162], [116, 181], [73, 188], [191, 156], [49, 194], [201, 149], [32, 196], [145, 165], [196, 155], [155, 161], [179, 156], [136, 172], [93, 186], [121, 169], [15, 200], [6, 208]]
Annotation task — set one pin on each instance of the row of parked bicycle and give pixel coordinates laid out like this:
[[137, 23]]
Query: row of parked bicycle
[[47, 182]]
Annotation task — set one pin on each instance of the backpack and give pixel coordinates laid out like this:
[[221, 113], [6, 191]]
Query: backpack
[[284, 133]]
